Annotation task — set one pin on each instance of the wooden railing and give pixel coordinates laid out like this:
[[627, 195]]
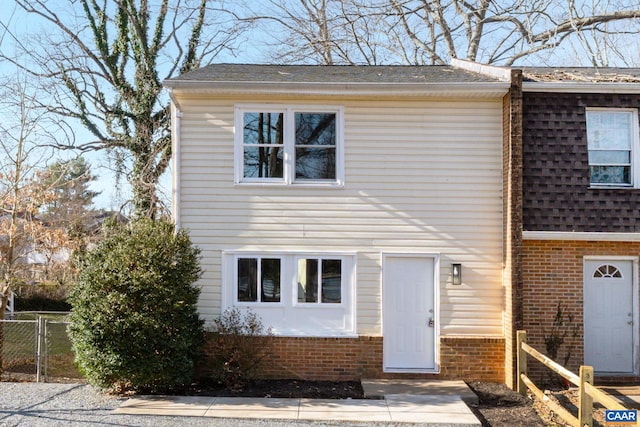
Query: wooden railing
[[588, 393]]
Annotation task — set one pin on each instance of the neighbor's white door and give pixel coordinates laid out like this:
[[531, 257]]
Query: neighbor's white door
[[409, 313], [608, 315]]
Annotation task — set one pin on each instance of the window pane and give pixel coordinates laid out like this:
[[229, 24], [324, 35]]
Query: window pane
[[270, 279], [307, 280], [263, 128], [315, 128], [331, 281], [263, 162], [610, 130], [247, 279], [609, 135], [316, 163], [611, 175], [609, 157]]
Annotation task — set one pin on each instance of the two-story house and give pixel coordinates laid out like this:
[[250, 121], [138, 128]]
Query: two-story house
[[581, 214], [358, 210]]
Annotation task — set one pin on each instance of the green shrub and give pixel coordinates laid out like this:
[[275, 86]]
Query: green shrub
[[134, 322], [240, 346]]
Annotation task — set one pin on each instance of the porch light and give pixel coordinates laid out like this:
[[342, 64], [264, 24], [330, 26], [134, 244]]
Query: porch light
[[457, 273]]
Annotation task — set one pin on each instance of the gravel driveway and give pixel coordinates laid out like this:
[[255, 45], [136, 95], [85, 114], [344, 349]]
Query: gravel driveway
[[33, 404]]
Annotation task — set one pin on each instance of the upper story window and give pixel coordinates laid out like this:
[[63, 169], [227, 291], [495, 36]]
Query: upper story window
[[289, 145], [612, 136]]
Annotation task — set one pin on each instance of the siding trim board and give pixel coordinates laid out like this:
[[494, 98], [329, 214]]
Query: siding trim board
[[582, 236]]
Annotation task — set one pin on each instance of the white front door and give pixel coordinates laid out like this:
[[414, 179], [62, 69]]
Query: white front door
[[410, 317], [609, 315]]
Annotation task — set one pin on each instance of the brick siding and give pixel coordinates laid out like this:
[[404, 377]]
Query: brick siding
[[553, 273], [465, 358]]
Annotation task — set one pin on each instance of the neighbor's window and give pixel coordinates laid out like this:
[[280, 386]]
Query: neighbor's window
[[288, 145], [259, 279], [612, 139], [319, 280]]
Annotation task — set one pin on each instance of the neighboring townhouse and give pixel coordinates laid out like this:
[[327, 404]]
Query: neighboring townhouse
[[581, 215], [358, 210]]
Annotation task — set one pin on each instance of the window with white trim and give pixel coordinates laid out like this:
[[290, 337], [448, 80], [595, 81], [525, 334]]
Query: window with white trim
[[612, 136], [305, 294], [289, 145], [258, 279], [319, 280]]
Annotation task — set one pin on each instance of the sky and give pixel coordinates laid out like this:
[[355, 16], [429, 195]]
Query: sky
[[112, 196]]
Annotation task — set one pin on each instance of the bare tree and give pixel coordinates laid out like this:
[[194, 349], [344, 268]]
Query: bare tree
[[24, 131], [327, 32], [107, 59], [433, 32]]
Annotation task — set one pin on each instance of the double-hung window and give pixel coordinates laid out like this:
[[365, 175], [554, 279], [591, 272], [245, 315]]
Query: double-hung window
[[289, 145], [612, 136]]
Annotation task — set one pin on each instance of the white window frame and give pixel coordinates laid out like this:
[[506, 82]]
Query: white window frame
[[320, 258], [635, 148], [259, 257], [290, 317], [288, 112]]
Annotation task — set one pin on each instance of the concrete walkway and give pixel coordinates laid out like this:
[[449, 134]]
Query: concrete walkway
[[430, 409]]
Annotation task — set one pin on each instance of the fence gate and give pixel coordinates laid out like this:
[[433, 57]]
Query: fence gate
[[36, 349]]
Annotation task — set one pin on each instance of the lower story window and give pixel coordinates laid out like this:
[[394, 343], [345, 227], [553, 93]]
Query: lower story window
[[319, 280], [259, 279], [295, 294]]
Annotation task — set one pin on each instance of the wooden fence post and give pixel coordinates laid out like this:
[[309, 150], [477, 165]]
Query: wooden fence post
[[521, 364], [585, 409]]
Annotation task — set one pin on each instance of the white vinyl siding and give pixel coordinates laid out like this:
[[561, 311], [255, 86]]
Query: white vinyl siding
[[420, 176]]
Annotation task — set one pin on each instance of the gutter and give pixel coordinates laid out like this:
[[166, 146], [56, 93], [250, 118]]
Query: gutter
[[463, 89], [581, 87]]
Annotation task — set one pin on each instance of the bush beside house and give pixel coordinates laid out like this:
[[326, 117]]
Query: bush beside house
[[135, 325]]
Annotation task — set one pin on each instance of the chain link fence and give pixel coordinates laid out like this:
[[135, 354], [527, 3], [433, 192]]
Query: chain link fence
[[36, 346]]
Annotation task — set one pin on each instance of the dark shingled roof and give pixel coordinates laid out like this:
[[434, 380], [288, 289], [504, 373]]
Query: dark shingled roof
[[581, 74], [368, 74]]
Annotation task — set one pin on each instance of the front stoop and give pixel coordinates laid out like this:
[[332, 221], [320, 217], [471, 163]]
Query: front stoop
[[378, 389]]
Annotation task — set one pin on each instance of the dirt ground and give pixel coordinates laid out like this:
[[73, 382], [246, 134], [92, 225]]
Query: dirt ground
[[500, 406]]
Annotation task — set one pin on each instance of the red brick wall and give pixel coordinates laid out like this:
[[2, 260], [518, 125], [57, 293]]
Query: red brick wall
[[552, 273], [470, 359]]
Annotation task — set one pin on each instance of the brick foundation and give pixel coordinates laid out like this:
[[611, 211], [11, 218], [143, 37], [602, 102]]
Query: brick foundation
[[469, 359], [552, 273]]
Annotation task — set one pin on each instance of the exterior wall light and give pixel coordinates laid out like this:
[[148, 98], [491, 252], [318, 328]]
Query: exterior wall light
[[457, 273]]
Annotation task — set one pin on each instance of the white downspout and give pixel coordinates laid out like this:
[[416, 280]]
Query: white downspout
[[176, 115]]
